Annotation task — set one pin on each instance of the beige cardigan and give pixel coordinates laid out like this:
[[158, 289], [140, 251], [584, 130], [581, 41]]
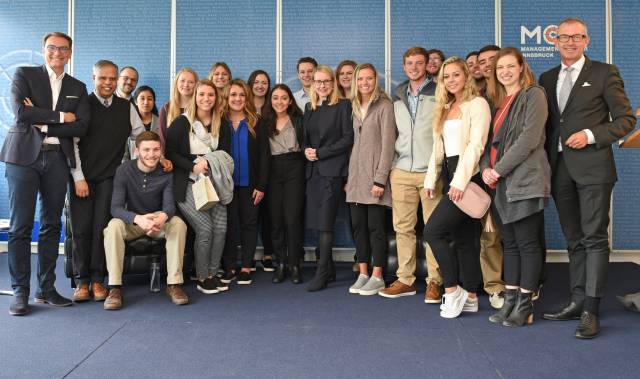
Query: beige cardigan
[[476, 117]]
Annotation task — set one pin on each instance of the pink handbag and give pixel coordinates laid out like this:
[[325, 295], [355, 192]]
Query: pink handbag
[[475, 201]]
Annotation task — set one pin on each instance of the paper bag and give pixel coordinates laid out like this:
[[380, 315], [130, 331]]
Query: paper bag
[[204, 195]]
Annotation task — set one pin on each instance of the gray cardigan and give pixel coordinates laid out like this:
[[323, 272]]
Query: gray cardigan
[[221, 173], [372, 154], [521, 160]]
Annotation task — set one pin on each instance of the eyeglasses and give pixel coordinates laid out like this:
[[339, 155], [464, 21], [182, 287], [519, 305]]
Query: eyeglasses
[[128, 78], [574, 37], [320, 83], [54, 48]]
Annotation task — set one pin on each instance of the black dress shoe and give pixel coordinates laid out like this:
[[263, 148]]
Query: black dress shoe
[[19, 306], [570, 312], [279, 274], [52, 297], [589, 326], [296, 275]]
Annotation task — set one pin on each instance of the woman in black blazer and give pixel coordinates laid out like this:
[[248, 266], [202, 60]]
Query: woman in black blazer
[[191, 135], [250, 151], [283, 120], [328, 137]]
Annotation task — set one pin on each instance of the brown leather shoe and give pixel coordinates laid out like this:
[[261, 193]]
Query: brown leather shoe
[[114, 300], [397, 289], [99, 292], [177, 295], [433, 295], [81, 293]]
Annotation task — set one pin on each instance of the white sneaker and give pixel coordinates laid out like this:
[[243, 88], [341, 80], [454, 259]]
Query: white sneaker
[[372, 287], [471, 305], [361, 281], [497, 300], [452, 303]]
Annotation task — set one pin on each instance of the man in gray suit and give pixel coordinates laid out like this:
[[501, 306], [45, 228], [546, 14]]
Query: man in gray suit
[[50, 108], [588, 111]]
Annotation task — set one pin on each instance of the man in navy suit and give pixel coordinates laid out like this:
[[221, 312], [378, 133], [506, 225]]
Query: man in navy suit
[[50, 109], [588, 112]]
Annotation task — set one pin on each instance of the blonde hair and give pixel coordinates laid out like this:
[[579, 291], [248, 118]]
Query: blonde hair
[[444, 98], [173, 110], [356, 98], [249, 108], [192, 109], [335, 94], [495, 89]]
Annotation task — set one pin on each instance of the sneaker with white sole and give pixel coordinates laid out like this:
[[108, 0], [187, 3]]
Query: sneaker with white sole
[[373, 286], [496, 300], [452, 303], [207, 286], [471, 305], [361, 281]]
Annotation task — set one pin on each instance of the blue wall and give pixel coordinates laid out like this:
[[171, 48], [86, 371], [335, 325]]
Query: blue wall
[[243, 34]]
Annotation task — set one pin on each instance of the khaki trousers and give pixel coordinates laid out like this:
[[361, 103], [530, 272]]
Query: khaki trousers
[[117, 232], [406, 194], [491, 260]]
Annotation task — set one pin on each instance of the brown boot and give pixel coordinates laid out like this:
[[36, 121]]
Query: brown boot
[[177, 295], [81, 293], [99, 292], [114, 300]]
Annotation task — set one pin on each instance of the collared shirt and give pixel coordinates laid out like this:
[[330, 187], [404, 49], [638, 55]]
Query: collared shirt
[[240, 154], [302, 98], [137, 127], [577, 67], [56, 86], [413, 100]]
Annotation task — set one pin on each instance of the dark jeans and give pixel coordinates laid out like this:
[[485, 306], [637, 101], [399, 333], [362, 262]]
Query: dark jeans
[[264, 225], [286, 201], [242, 215], [369, 233], [89, 217], [47, 176], [523, 252], [459, 264]]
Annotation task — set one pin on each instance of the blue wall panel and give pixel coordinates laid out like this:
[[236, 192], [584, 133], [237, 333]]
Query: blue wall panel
[[127, 33], [241, 33], [626, 56], [22, 26]]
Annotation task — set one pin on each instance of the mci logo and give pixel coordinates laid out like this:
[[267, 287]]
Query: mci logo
[[537, 34]]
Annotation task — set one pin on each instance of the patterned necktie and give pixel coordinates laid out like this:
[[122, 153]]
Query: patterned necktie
[[106, 102], [565, 90]]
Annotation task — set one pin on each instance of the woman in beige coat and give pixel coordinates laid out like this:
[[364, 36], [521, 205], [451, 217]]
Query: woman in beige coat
[[460, 128], [368, 190]]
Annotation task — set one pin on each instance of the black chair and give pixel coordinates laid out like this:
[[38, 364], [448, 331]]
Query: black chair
[[392, 260]]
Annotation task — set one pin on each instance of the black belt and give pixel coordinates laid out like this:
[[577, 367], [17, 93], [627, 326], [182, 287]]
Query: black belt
[[50, 147]]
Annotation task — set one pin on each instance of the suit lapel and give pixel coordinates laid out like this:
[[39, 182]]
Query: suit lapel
[[582, 77], [47, 84], [63, 90]]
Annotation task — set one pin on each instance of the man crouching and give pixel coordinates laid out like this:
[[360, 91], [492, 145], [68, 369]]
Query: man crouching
[[142, 204]]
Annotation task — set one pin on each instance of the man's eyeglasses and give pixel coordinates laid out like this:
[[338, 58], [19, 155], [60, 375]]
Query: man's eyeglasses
[[574, 37], [128, 78], [54, 48], [320, 83]]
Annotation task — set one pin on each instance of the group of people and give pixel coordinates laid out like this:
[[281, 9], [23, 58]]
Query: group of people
[[286, 161]]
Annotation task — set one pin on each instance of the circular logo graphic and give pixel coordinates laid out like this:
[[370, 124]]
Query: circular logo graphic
[[8, 64]]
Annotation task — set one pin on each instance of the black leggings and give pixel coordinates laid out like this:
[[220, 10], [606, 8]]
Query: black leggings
[[242, 215], [369, 233]]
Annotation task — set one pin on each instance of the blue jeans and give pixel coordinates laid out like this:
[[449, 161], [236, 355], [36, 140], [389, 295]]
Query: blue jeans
[[48, 177]]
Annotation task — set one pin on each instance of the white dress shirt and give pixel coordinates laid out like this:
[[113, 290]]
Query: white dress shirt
[[56, 85], [302, 98], [577, 67]]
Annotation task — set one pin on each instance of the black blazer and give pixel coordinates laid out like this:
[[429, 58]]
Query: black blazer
[[597, 93], [259, 154], [23, 142], [329, 130], [178, 152]]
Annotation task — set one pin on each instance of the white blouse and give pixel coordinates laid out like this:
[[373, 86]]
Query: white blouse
[[451, 137]]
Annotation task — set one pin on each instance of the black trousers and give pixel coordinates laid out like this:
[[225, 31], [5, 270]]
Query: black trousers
[[242, 228], [286, 201], [89, 216], [264, 225], [523, 251], [459, 264], [584, 218], [369, 233]]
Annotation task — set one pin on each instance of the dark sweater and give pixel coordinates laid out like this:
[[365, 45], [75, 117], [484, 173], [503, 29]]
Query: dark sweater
[[101, 150], [136, 192]]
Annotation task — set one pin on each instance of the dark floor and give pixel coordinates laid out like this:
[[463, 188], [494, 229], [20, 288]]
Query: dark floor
[[281, 331]]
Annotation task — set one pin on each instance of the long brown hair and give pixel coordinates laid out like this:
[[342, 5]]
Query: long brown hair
[[346, 62], [495, 90], [192, 108], [356, 98], [444, 98], [249, 108]]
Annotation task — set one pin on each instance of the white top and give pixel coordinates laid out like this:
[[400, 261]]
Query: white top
[[56, 86], [451, 137]]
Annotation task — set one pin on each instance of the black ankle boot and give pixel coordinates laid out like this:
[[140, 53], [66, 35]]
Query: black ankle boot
[[279, 274], [321, 277], [523, 311], [510, 296], [296, 275]]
